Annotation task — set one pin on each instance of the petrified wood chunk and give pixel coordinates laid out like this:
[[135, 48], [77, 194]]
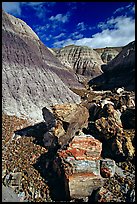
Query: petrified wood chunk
[[82, 185], [79, 166], [107, 167], [84, 147], [65, 121]]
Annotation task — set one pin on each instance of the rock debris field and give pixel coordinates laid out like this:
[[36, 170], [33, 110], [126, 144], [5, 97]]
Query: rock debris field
[[69, 157]]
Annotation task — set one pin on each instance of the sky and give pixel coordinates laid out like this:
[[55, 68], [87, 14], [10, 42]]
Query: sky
[[92, 24]]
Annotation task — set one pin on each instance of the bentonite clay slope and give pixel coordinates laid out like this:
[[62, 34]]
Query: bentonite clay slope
[[108, 53], [83, 60], [120, 72], [32, 77]]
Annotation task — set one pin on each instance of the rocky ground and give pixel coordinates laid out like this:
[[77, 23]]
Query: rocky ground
[[18, 157], [24, 167]]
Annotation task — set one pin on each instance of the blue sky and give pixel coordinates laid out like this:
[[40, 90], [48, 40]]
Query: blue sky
[[93, 24]]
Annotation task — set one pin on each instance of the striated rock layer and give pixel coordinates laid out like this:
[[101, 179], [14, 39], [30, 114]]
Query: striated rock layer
[[83, 60], [120, 72], [108, 53], [32, 77]]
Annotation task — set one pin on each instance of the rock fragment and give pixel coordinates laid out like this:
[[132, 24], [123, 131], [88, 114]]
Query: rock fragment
[[107, 167], [66, 121], [111, 130]]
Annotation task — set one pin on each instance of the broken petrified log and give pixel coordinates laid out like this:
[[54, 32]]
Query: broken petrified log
[[109, 122], [79, 166], [63, 122], [84, 147]]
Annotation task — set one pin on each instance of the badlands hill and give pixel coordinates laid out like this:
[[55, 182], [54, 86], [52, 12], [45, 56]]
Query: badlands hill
[[120, 72], [108, 53], [32, 77], [83, 60]]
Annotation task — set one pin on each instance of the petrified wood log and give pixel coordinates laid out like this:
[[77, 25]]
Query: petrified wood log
[[79, 166]]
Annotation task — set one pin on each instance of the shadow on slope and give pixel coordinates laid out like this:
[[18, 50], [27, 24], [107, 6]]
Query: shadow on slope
[[35, 131], [58, 185]]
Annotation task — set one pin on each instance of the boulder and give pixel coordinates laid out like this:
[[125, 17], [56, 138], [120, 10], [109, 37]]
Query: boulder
[[84, 147], [82, 185], [109, 122], [110, 127], [66, 121]]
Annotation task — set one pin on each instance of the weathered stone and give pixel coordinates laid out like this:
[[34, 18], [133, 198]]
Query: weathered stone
[[49, 118], [84, 147], [119, 171], [120, 90], [50, 140], [13, 180], [105, 101], [131, 196], [66, 112], [66, 121], [121, 147], [107, 167], [82, 185], [8, 195], [110, 125], [124, 100]]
